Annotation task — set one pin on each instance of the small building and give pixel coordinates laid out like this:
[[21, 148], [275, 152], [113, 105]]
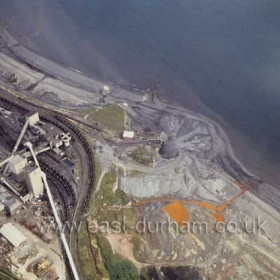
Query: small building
[[12, 234], [128, 135], [33, 118], [57, 143], [34, 180], [17, 164]]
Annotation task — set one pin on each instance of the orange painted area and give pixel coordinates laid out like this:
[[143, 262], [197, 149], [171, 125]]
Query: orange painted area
[[177, 212]]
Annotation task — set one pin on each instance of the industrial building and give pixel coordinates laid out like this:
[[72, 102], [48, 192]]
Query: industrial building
[[17, 164], [34, 182], [13, 235], [11, 202], [51, 134], [33, 118]]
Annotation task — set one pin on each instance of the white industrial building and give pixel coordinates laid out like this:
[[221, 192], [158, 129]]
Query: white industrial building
[[17, 164], [34, 181], [33, 118], [13, 235]]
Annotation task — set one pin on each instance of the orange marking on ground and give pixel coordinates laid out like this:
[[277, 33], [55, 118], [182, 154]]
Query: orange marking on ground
[[178, 213]]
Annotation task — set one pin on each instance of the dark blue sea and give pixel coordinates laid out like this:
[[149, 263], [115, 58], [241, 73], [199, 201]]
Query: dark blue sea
[[226, 53]]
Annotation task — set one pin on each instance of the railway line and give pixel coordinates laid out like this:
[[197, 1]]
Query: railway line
[[86, 156], [5, 275], [62, 123], [60, 183], [63, 187]]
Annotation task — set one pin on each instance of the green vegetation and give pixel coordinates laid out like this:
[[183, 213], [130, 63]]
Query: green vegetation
[[109, 201], [135, 173], [111, 118], [90, 258], [149, 272], [142, 156], [137, 242], [118, 268], [95, 253], [85, 254], [96, 258]]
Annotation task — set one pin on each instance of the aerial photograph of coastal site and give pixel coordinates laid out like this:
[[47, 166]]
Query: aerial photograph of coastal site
[[140, 139]]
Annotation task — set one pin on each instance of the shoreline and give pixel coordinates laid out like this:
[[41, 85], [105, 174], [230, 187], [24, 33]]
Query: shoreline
[[258, 199], [73, 86]]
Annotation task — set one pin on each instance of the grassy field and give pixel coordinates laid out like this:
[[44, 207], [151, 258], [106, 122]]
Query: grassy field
[[111, 118], [96, 257], [109, 201], [135, 173], [90, 257], [142, 156], [117, 267]]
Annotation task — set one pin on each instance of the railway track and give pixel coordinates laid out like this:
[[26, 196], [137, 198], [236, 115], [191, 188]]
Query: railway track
[[89, 153], [61, 179], [59, 120], [62, 123], [65, 211]]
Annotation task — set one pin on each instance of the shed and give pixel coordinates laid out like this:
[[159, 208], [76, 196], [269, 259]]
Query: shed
[[127, 135], [13, 235]]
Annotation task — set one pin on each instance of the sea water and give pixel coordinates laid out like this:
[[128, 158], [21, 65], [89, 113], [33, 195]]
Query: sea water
[[225, 52]]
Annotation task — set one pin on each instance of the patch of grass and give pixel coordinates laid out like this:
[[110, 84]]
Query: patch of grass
[[109, 201], [96, 257], [148, 273], [142, 156], [90, 258], [118, 268], [137, 242], [85, 255], [135, 173], [111, 118]]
